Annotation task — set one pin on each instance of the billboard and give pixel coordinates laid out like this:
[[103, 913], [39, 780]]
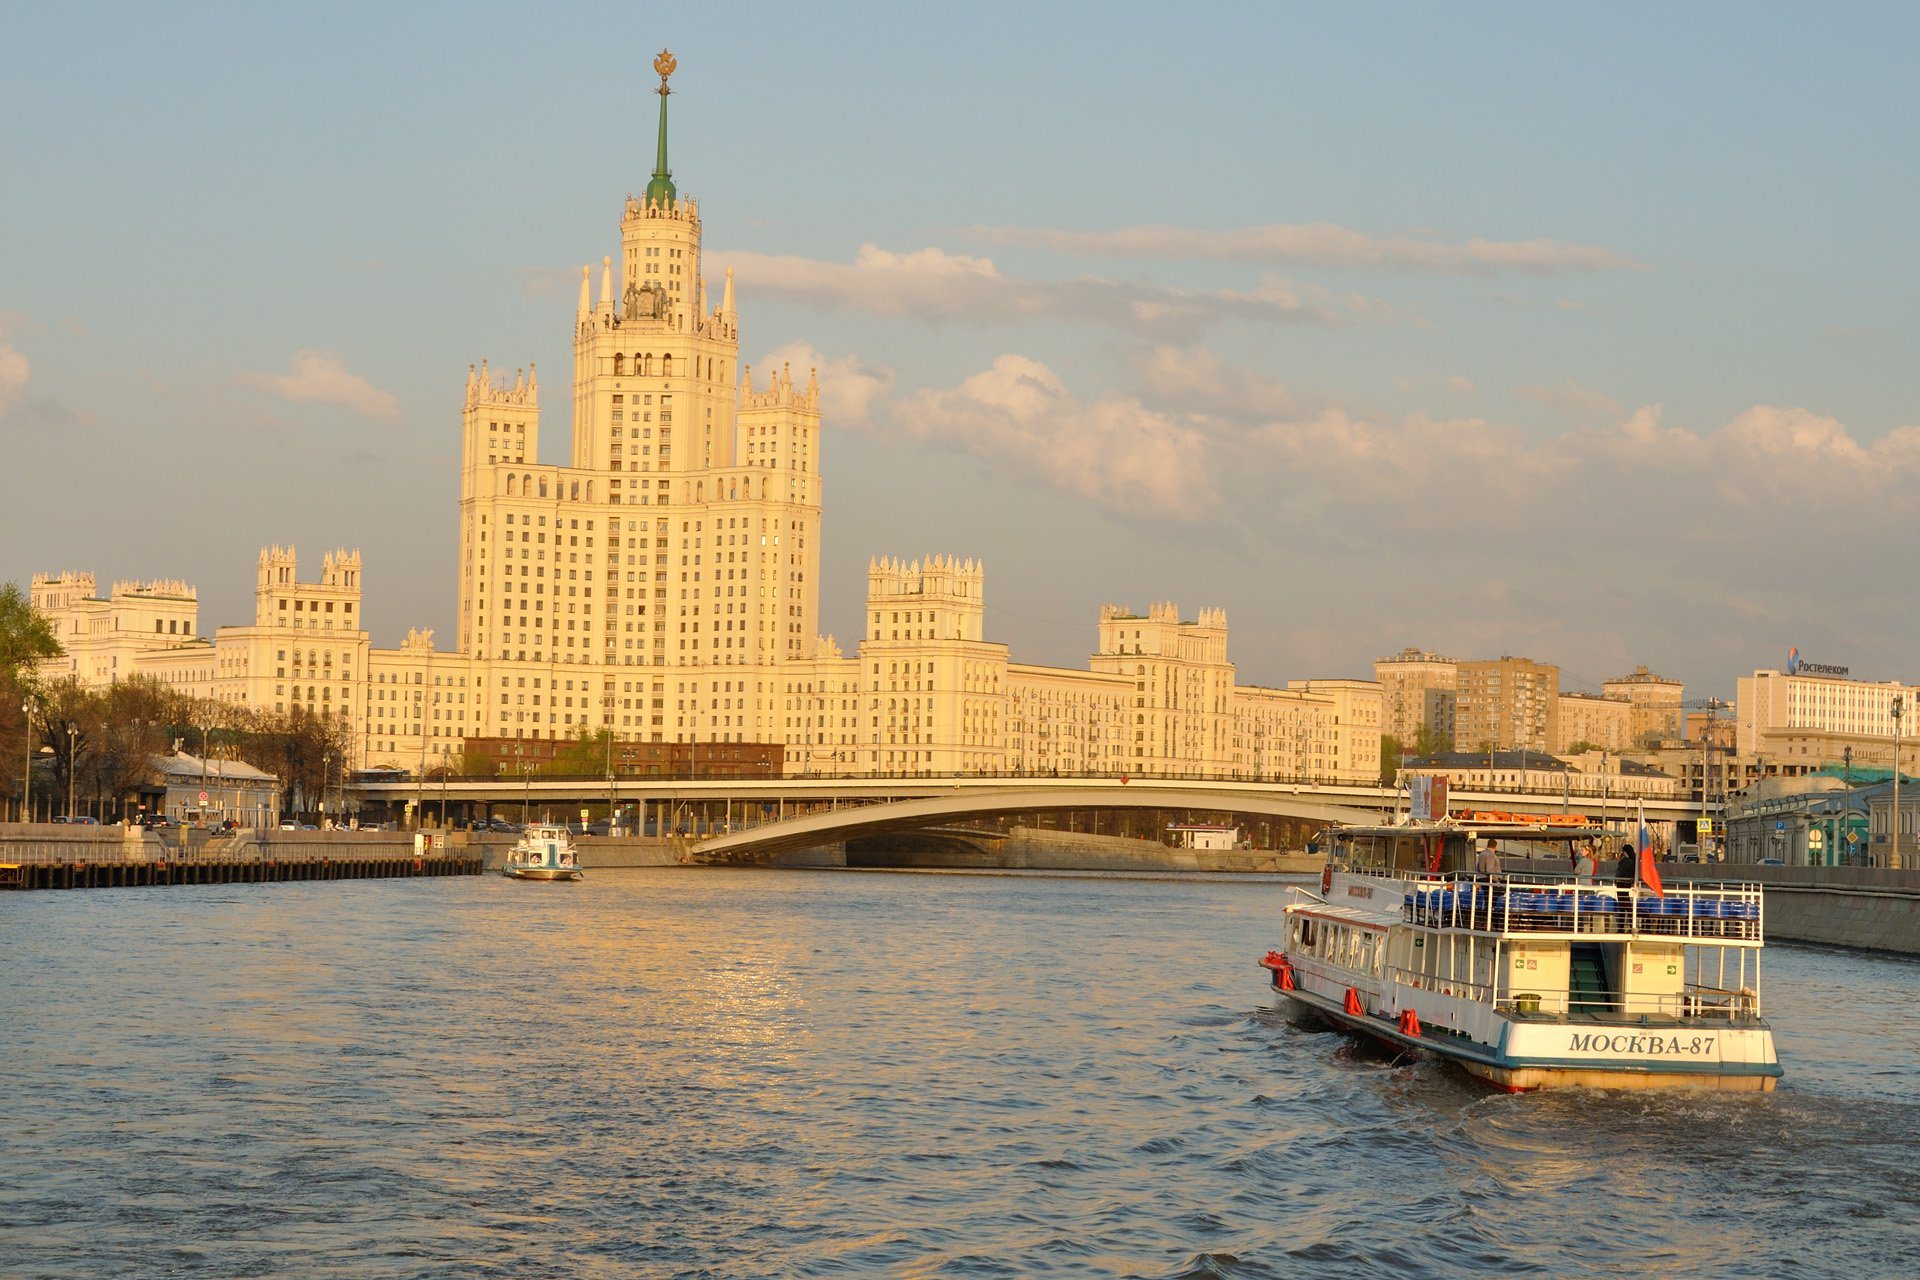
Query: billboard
[[1429, 797]]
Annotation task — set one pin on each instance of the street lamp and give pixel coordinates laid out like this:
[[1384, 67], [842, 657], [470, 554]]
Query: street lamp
[[445, 753], [73, 735], [26, 789], [1893, 857]]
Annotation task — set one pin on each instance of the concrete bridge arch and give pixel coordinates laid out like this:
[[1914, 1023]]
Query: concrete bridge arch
[[816, 829]]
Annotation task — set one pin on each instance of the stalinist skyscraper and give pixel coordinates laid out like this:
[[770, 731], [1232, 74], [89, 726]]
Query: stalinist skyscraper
[[658, 583], [664, 585]]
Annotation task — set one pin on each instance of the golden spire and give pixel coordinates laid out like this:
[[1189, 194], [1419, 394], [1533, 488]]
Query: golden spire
[[664, 64]]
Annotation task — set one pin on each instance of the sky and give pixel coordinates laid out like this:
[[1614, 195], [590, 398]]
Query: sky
[[1578, 333]]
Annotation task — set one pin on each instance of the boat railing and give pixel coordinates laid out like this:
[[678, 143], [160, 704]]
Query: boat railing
[[1503, 904], [1696, 1002], [1462, 988]]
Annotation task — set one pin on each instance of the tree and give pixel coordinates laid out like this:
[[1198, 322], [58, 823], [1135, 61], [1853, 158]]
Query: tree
[[1582, 747], [1390, 756], [26, 636], [67, 718], [1428, 741], [584, 757]]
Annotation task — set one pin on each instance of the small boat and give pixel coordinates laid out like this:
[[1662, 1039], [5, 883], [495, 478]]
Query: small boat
[[543, 853], [1529, 979]]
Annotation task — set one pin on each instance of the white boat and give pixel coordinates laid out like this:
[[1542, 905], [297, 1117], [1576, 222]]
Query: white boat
[[1529, 980], [543, 853]]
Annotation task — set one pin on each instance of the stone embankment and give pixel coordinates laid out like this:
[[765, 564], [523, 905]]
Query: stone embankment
[[45, 856], [1872, 907]]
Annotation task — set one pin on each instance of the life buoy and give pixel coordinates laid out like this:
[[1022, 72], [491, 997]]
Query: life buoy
[[1409, 1022], [1326, 879], [1354, 1007]]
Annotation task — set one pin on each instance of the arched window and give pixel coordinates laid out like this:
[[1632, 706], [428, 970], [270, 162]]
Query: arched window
[[513, 487], [589, 491], [666, 365], [573, 491], [619, 366], [643, 365], [543, 486]]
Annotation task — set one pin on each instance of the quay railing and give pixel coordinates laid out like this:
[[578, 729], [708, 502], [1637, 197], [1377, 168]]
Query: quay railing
[[1501, 904]]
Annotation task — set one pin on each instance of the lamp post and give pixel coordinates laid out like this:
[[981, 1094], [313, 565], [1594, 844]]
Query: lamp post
[[526, 776], [1893, 856], [73, 735], [445, 755], [26, 788], [1846, 809]]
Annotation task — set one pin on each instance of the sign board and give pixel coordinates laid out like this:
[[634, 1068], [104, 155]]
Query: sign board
[[583, 815], [1798, 666], [1428, 794], [204, 797], [1779, 826], [1706, 826], [1815, 838]]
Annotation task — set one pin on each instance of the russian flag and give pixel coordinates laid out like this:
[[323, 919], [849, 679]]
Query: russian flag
[[1649, 874]]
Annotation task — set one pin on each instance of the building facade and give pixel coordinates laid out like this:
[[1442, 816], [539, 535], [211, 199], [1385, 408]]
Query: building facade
[[1656, 703], [1588, 721], [1804, 719], [663, 585], [1507, 704], [1417, 690]]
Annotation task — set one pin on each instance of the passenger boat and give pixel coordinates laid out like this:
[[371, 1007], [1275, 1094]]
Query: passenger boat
[[543, 853], [1529, 979]]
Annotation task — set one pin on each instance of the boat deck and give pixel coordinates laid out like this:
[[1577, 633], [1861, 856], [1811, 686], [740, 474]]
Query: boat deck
[[1707, 913]]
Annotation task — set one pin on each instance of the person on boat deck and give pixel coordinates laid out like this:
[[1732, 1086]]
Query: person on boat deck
[[1489, 861], [1586, 864], [1626, 871]]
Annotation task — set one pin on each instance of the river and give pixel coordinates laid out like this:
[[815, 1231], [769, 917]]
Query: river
[[763, 1073]]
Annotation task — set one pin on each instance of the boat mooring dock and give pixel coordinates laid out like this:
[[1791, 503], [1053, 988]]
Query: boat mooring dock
[[42, 857]]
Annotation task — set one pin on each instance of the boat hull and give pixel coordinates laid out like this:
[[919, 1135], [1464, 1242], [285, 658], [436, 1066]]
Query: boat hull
[[542, 873], [1523, 1075]]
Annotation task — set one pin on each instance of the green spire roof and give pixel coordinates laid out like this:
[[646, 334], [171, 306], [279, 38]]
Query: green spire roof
[[661, 189]]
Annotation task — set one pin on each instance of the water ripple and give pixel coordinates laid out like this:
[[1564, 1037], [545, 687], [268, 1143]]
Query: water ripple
[[737, 1074]]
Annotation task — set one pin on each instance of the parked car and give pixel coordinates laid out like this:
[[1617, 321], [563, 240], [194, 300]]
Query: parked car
[[289, 825], [157, 822], [503, 827], [78, 819]]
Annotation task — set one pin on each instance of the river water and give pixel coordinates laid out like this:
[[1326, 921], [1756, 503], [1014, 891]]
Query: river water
[[762, 1073]]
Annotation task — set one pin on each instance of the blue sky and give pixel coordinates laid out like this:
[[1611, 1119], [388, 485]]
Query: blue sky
[[1579, 334]]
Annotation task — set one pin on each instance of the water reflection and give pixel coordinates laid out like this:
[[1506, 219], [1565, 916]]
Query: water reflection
[[759, 1073]]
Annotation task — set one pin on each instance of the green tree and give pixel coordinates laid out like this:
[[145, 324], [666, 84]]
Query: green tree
[[1428, 741], [584, 757], [25, 634], [1390, 756]]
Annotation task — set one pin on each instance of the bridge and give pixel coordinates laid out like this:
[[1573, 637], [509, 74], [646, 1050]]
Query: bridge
[[750, 818], [814, 829]]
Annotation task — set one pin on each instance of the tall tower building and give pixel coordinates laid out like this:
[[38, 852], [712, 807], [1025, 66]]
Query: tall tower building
[[658, 583]]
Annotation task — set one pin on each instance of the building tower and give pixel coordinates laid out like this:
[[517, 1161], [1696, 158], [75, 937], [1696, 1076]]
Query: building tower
[[658, 583]]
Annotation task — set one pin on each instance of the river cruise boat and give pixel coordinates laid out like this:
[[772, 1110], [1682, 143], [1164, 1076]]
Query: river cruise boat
[[1528, 979], [543, 853]]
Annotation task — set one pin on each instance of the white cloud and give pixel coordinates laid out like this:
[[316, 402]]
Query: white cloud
[[1582, 402], [1459, 384], [932, 284], [849, 390], [318, 377], [14, 372], [1019, 416], [1194, 379], [1321, 244]]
